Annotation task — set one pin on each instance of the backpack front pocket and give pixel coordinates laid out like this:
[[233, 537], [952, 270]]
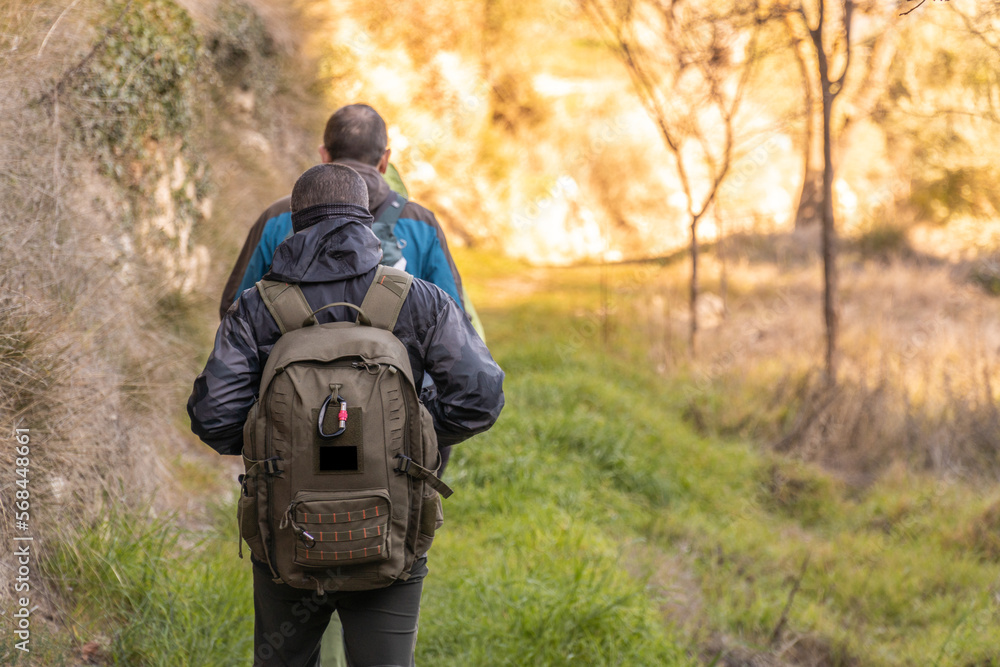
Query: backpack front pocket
[[346, 527]]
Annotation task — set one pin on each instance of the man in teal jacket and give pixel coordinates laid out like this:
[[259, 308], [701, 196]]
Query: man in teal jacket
[[355, 136]]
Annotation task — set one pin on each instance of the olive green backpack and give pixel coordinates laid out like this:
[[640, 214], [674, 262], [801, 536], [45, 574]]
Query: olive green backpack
[[339, 492]]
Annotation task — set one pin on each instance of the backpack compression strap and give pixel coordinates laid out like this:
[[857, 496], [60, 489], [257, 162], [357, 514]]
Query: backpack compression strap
[[385, 297], [286, 303], [408, 466]]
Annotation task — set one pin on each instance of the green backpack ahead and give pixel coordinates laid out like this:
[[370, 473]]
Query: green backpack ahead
[[339, 492]]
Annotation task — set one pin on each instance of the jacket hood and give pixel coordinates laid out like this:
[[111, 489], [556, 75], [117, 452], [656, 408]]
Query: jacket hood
[[378, 189], [336, 248]]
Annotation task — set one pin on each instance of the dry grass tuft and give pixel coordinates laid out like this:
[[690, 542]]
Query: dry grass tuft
[[920, 365], [860, 428], [981, 534], [85, 361], [796, 492]]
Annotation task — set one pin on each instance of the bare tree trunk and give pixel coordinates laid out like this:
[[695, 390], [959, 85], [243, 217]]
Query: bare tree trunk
[[830, 89], [829, 240], [724, 260], [809, 210], [693, 333]]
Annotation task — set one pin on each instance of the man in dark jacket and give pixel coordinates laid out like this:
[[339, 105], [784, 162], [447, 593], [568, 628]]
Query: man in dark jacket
[[355, 135], [333, 257]]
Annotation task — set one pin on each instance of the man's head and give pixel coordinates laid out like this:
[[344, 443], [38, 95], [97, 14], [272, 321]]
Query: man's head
[[356, 132], [326, 184]]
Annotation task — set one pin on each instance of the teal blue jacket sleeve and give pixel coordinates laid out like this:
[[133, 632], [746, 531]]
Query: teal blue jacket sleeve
[[425, 258], [276, 231]]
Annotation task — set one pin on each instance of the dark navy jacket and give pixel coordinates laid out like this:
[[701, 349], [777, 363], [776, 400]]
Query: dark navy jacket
[[335, 260]]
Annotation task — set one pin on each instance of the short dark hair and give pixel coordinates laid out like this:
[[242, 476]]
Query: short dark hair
[[329, 184], [356, 132]]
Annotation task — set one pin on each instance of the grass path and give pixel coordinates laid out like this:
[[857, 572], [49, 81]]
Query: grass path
[[592, 463], [592, 525]]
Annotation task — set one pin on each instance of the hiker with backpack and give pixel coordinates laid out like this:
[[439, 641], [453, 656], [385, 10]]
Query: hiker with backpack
[[314, 379], [412, 239]]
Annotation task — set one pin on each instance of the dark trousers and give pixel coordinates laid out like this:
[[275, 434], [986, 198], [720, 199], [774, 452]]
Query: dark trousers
[[380, 626]]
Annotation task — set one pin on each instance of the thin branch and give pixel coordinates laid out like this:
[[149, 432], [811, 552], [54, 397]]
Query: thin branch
[[866, 95], [647, 92], [644, 86], [972, 28], [788, 604], [81, 66], [816, 34], [937, 113], [52, 29], [914, 9]]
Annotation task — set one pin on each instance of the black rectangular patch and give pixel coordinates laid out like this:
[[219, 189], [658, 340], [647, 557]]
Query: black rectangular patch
[[338, 458]]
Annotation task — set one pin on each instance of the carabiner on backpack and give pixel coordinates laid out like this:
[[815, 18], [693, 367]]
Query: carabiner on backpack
[[308, 540], [341, 416]]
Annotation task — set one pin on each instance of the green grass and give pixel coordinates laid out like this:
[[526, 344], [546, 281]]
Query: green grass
[[529, 567], [593, 525], [150, 594], [901, 573]]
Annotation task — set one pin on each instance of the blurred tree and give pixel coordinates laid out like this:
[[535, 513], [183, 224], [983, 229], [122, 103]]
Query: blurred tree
[[829, 30], [689, 64], [874, 55]]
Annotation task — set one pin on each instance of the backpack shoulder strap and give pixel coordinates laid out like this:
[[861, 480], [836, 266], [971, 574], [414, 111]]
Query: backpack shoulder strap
[[390, 210], [384, 227], [385, 297], [286, 303]]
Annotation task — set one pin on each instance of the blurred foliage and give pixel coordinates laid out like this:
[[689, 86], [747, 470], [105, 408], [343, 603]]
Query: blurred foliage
[[243, 53], [882, 237], [940, 114], [137, 88], [985, 272]]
